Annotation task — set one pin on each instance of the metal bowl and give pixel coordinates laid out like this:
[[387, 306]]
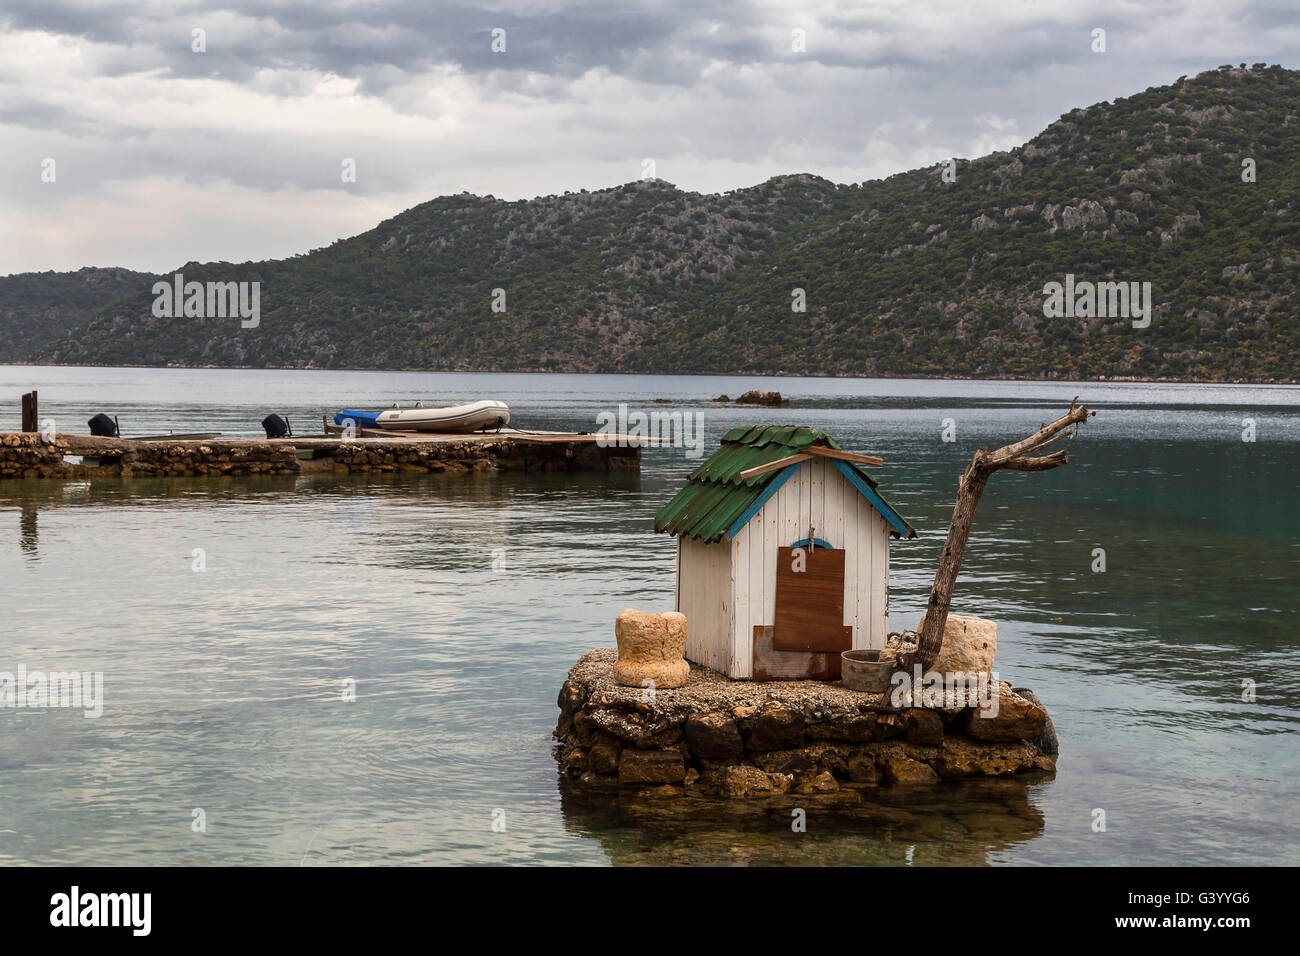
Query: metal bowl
[[867, 671]]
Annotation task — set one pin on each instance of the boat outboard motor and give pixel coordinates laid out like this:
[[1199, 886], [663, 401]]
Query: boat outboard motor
[[277, 426], [102, 426]]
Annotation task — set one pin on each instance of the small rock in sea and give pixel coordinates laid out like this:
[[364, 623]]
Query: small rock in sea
[[756, 397], [723, 398], [823, 782]]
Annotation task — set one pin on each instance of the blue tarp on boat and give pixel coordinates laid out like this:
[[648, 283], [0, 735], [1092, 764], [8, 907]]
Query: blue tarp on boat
[[360, 419]]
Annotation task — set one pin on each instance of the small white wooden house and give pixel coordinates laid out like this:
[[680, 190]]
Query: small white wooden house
[[782, 555]]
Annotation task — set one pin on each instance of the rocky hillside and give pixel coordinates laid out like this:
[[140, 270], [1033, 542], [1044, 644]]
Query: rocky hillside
[[912, 275], [36, 308]]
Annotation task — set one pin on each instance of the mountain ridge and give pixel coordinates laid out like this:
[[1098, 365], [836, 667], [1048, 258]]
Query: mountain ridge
[[905, 276]]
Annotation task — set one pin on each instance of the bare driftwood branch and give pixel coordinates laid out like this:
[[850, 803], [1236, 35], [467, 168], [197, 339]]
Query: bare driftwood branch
[[1016, 457], [1053, 460]]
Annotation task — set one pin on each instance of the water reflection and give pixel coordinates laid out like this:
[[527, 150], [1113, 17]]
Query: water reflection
[[28, 532], [962, 823]]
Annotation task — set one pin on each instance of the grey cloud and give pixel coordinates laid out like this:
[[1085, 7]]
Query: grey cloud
[[412, 36], [876, 92]]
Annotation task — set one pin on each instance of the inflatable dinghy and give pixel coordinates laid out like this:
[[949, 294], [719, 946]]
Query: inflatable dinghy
[[472, 417]]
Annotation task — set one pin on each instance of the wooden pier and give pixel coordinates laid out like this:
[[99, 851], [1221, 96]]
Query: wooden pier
[[38, 455]]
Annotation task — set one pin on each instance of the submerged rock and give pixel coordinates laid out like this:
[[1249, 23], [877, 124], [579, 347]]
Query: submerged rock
[[823, 782], [745, 780], [862, 768]]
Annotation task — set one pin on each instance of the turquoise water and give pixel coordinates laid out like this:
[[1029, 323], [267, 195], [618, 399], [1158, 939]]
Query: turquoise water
[[223, 688]]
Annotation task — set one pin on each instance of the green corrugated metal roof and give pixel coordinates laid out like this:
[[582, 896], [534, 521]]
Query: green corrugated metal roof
[[715, 497]]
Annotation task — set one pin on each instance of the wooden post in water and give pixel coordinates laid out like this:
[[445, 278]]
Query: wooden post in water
[[29, 412]]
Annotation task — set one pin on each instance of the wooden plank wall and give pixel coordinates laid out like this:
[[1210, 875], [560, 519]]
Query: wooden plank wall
[[704, 596], [816, 496]]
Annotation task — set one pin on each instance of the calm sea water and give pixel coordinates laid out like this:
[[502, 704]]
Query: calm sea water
[[223, 688]]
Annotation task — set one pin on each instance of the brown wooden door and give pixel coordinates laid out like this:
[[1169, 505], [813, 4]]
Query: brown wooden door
[[810, 601]]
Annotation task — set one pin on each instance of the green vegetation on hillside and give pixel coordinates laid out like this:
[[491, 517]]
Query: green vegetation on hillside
[[37, 308], [911, 275]]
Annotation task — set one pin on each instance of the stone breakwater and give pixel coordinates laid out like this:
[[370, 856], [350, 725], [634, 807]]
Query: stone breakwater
[[740, 739], [27, 455]]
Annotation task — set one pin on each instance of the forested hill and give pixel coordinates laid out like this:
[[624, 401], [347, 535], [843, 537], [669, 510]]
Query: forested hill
[[37, 308], [912, 275]]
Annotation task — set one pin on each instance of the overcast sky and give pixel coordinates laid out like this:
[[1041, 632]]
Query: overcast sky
[[164, 155]]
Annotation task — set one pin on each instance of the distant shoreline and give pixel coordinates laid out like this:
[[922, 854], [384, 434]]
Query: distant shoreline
[[1106, 380]]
